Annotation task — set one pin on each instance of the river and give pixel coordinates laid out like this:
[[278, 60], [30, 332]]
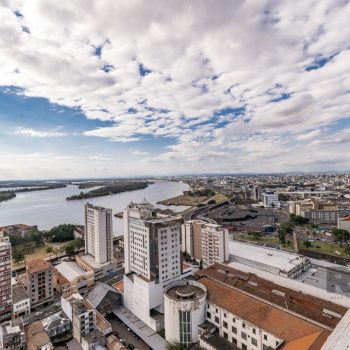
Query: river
[[49, 208]]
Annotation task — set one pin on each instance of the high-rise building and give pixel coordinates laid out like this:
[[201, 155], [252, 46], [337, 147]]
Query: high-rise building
[[205, 241], [39, 281], [215, 244], [5, 277], [257, 193], [151, 243], [152, 260], [98, 233]]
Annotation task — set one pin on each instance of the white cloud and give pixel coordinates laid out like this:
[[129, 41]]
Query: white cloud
[[202, 58], [38, 133], [139, 153]]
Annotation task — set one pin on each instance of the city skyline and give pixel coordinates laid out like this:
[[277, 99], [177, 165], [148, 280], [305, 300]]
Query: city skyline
[[140, 88]]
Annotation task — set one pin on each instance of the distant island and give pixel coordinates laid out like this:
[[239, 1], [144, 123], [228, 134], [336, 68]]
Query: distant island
[[7, 195], [112, 188]]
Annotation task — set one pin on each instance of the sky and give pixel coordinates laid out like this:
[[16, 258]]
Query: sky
[[157, 87]]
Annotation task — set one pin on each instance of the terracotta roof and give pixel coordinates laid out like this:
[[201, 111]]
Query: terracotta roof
[[37, 265], [119, 286], [36, 335], [302, 304], [280, 323]]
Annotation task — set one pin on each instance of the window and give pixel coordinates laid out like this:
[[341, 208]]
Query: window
[[254, 331], [225, 324], [234, 330], [234, 341], [244, 336], [243, 324], [265, 336], [254, 342], [225, 335], [233, 320], [185, 327], [208, 314], [216, 319], [244, 347]]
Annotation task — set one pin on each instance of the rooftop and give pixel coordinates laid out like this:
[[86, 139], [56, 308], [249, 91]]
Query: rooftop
[[70, 270], [253, 287], [37, 265], [18, 293], [98, 292], [185, 292], [279, 259], [36, 335]]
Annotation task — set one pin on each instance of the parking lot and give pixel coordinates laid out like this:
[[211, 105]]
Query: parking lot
[[128, 336]]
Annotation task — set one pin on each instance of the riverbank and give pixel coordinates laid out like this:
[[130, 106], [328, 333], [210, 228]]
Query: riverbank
[[5, 196], [192, 200]]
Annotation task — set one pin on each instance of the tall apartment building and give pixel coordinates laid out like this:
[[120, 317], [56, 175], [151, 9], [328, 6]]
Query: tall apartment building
[[191, 238], [98, 233], [39, 281], [271, 200], [215, 244], [257, 193], [5, 278], [152, 259], [205, 241]]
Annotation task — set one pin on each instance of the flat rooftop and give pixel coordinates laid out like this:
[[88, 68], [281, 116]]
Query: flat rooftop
[[278, 259], [185, 292], [18, 293], [37, 265], [70, 270]]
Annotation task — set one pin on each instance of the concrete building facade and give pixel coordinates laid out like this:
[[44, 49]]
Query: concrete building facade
[[98, 233], [184, 311], [215, 244], [152, 260], [5, 277], [270, 200], [39, 281]]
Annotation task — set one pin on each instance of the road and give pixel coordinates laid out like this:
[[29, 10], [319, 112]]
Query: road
[[44, 312], [123, 333]]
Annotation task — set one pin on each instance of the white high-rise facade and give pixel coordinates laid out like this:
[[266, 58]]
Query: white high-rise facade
[[98, 233], [5, 278], [271, 200], [152, 260]]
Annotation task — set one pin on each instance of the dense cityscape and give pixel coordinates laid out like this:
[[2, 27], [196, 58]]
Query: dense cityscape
[[253, 262]]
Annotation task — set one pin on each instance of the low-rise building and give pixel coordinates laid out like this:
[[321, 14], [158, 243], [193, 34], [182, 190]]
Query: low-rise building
[[56, 324], [22, 229], [344, 223], [104, 298], [20, 301], [88, 263], [252, 313], [79, 280], [12, 335], [272, 260], [37, 338]]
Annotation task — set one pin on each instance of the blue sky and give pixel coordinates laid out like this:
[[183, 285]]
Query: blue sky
[[129, 89]]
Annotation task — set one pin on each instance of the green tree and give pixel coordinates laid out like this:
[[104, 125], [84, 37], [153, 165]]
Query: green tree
[[61, 233], [17, 255], [298, 220], [176, 346], [69, 249], [49, 250], [307, 244], [341, 235], [347, 250]]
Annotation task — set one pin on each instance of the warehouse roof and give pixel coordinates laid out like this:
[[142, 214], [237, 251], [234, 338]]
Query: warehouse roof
[[278, 259]]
